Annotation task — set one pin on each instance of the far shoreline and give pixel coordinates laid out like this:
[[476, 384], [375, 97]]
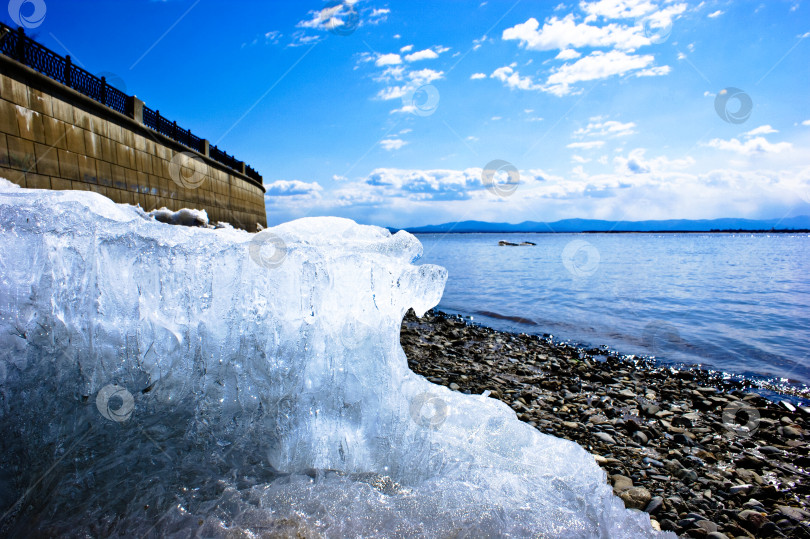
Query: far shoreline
[[729, 231]]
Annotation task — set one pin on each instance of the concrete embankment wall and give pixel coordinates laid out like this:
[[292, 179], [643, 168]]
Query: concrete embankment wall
[[52, 137]]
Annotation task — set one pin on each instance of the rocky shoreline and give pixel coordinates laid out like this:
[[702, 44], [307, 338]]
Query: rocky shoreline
[[700, 454]]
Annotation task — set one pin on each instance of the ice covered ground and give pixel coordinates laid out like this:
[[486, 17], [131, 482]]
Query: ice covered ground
[[162, 380]]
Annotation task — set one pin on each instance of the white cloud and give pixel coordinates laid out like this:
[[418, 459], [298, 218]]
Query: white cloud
[[388, 59], [406, 48], [752, 146], [300, 39], [566, 33], [617, 9], [586, 145], [806, 122], [567, 54], [425, 76], [653, 71], [715, 14], [426, 54], [476, 76], [636, 163], [335, 16], [761, 130], [392, 143], [609, 128], [294, 187], [598, 65], [513, 80]]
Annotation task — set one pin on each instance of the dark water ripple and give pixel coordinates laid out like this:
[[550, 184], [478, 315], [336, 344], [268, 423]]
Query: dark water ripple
[[739, 303]]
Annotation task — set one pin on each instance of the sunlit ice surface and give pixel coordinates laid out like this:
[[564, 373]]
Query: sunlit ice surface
[[161, 380]]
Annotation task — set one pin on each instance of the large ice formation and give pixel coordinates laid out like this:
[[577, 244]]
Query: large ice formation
[[165, 380]]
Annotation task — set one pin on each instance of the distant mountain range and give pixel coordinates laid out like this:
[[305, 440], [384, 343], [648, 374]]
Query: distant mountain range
[[592, 225]]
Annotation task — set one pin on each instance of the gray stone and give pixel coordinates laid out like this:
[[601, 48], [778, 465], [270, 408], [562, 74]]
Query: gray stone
[[640, 437], [605, 437], [655, 505], [621, 482], [636, 497], [707, 525]]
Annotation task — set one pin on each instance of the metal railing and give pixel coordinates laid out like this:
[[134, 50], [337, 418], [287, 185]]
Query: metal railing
[[16, 45]]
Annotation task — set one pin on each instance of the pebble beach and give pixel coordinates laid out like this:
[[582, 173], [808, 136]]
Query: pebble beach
[[702, 454]]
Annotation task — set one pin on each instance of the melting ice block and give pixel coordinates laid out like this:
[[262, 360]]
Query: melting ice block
[[171, 379]]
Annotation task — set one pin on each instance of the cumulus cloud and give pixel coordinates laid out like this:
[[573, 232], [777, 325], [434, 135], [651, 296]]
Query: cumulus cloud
[[388, 59], [761, 130], [591, 144], [284, 188], [752, 146], [597, 65], [513, 80], [637, 163], [716, 14], [337, 15], [611, 128], [567, 33], [477, 76], [392, 143], [427, 54], [411, 81], [567, 54]]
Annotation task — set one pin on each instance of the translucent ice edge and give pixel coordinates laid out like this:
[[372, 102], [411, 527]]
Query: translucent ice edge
[[161, 379]]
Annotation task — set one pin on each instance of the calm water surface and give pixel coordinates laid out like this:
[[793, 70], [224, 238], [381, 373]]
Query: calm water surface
[[734, 302]]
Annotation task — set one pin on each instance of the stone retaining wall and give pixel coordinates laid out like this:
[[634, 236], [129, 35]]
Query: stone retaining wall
[[52, 137]]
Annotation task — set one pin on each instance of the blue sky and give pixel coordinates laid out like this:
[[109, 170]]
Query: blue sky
[[388, 112]]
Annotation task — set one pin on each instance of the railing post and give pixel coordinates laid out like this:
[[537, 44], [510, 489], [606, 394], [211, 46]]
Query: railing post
[[21, 45], [135, 108], [174, 130], [240, 166], [68, 67], [205, 147], [104, 90]]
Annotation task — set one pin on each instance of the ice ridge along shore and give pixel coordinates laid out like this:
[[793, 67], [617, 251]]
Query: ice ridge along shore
[[160, 379]]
